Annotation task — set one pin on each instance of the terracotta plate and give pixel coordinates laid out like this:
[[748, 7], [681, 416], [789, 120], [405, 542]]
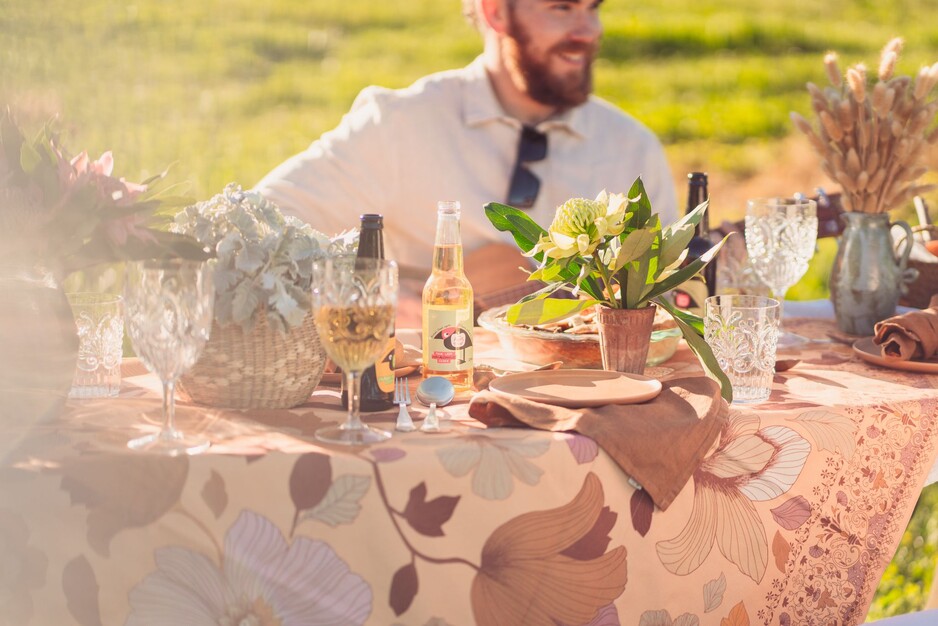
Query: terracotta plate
[[869, 351], [578, 388]]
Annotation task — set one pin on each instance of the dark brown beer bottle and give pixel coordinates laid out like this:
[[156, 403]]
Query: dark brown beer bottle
[[377, 382], [691, 295]]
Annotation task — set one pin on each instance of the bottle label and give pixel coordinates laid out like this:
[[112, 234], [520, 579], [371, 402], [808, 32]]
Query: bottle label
[[384, 367], [449, 339]]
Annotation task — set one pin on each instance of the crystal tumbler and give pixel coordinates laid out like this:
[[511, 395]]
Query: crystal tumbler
[[743, 333], [100, 322]]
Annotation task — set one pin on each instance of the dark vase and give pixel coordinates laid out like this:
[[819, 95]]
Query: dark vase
[[38, 345]]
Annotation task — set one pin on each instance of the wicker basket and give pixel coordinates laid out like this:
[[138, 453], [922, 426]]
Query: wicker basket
[[261, 369], [926, 285]]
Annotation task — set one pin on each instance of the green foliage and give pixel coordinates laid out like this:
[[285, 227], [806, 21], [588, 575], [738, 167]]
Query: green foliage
[[614, 250], [70, 213], [907, 581]]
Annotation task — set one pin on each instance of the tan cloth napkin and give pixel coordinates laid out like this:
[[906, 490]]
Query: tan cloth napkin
[[912, 335], [659, 443]]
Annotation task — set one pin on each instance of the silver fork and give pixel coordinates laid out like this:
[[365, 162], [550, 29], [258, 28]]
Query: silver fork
[[402, 397]]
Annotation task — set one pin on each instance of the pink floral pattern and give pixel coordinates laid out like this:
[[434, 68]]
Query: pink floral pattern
[[749, 465], [790, 519], [263, 581]]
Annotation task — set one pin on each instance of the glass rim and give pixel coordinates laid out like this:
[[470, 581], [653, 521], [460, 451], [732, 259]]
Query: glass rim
[[92, 297], [169, 264], [351, 257], [781, 201], [762, 303]]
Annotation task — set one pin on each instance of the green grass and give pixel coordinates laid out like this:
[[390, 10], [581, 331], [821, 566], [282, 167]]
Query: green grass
[[226, 89]]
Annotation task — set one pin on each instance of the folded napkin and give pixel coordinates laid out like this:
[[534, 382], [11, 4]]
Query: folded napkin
[[659, 443], [912, 335]]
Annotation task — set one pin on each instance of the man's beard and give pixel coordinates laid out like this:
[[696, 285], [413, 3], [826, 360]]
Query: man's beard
[[535, 77]]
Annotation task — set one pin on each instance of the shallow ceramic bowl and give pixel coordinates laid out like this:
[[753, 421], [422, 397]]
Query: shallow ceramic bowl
[[541, 347]]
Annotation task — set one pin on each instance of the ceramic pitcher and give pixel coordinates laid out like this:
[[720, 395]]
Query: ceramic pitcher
[[869, 275]]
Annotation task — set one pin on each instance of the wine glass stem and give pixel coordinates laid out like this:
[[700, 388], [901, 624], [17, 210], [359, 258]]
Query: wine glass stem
[[169, 409], [353, 382]]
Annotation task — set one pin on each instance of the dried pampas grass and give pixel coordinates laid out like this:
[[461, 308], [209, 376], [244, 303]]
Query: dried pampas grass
[[871, 140]]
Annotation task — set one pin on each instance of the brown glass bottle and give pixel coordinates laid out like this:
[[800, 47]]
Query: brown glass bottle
[[691, 295], [377, 382]]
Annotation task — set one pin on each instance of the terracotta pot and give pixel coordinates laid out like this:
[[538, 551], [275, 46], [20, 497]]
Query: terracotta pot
[[624, 336]]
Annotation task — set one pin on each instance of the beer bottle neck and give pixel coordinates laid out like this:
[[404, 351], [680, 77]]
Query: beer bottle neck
[[696, 194], [447, 248]]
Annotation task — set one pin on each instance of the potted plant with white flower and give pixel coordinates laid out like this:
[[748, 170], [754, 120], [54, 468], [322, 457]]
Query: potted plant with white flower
[[613, 254], [263, 351]]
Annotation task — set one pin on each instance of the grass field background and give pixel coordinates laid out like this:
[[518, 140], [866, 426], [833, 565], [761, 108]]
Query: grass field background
[[226, 89]]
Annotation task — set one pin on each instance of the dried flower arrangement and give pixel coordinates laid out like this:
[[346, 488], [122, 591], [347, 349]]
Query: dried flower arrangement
[[872, 141]]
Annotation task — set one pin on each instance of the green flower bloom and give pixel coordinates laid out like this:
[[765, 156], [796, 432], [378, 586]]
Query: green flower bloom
[[580, 225]]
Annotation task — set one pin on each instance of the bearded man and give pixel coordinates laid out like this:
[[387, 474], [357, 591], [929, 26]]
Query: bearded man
[[518, 125]]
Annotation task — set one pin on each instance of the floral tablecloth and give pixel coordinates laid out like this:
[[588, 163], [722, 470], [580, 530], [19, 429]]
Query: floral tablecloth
[[791, 518]]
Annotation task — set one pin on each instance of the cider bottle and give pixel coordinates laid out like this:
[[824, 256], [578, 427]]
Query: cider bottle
[[377, 382], [447, 305], [691, 294]]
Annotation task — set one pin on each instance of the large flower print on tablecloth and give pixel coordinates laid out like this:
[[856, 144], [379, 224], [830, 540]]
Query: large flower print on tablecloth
[[495, 462], [749, 465], [263, 581], [552, 567]]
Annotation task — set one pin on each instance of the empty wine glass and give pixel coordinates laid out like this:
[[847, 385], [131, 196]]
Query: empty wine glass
[[355, 302], [781, 234], [168, 312]]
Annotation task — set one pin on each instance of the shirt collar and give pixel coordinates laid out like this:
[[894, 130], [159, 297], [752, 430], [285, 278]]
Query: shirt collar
[[481, 106]]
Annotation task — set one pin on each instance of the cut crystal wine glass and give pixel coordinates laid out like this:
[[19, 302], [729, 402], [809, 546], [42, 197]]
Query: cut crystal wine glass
[[781, 234], [355, 301], [168, 308]]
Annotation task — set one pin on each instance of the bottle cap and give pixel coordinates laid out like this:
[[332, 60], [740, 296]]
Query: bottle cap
[[372, 220], [448, 207]]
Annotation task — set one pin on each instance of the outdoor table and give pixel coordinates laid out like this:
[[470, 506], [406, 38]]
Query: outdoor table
[[791, 519]]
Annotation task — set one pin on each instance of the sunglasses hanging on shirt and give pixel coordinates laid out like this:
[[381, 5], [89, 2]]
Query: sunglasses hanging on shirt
[[532, 147]]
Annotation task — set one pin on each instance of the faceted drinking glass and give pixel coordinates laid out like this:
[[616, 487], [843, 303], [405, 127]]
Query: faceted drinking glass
[[781, 234], [742, 331], [99, 320], [168, 311], [355, 301]]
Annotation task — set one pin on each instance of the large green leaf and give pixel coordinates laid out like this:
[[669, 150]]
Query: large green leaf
[[638, 279], [545, 291], [701, 348], [635, 245], [675, 237], [641, 208], [526, 233], [687, 272], [509, 219], [544, 310], [694, 321]]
